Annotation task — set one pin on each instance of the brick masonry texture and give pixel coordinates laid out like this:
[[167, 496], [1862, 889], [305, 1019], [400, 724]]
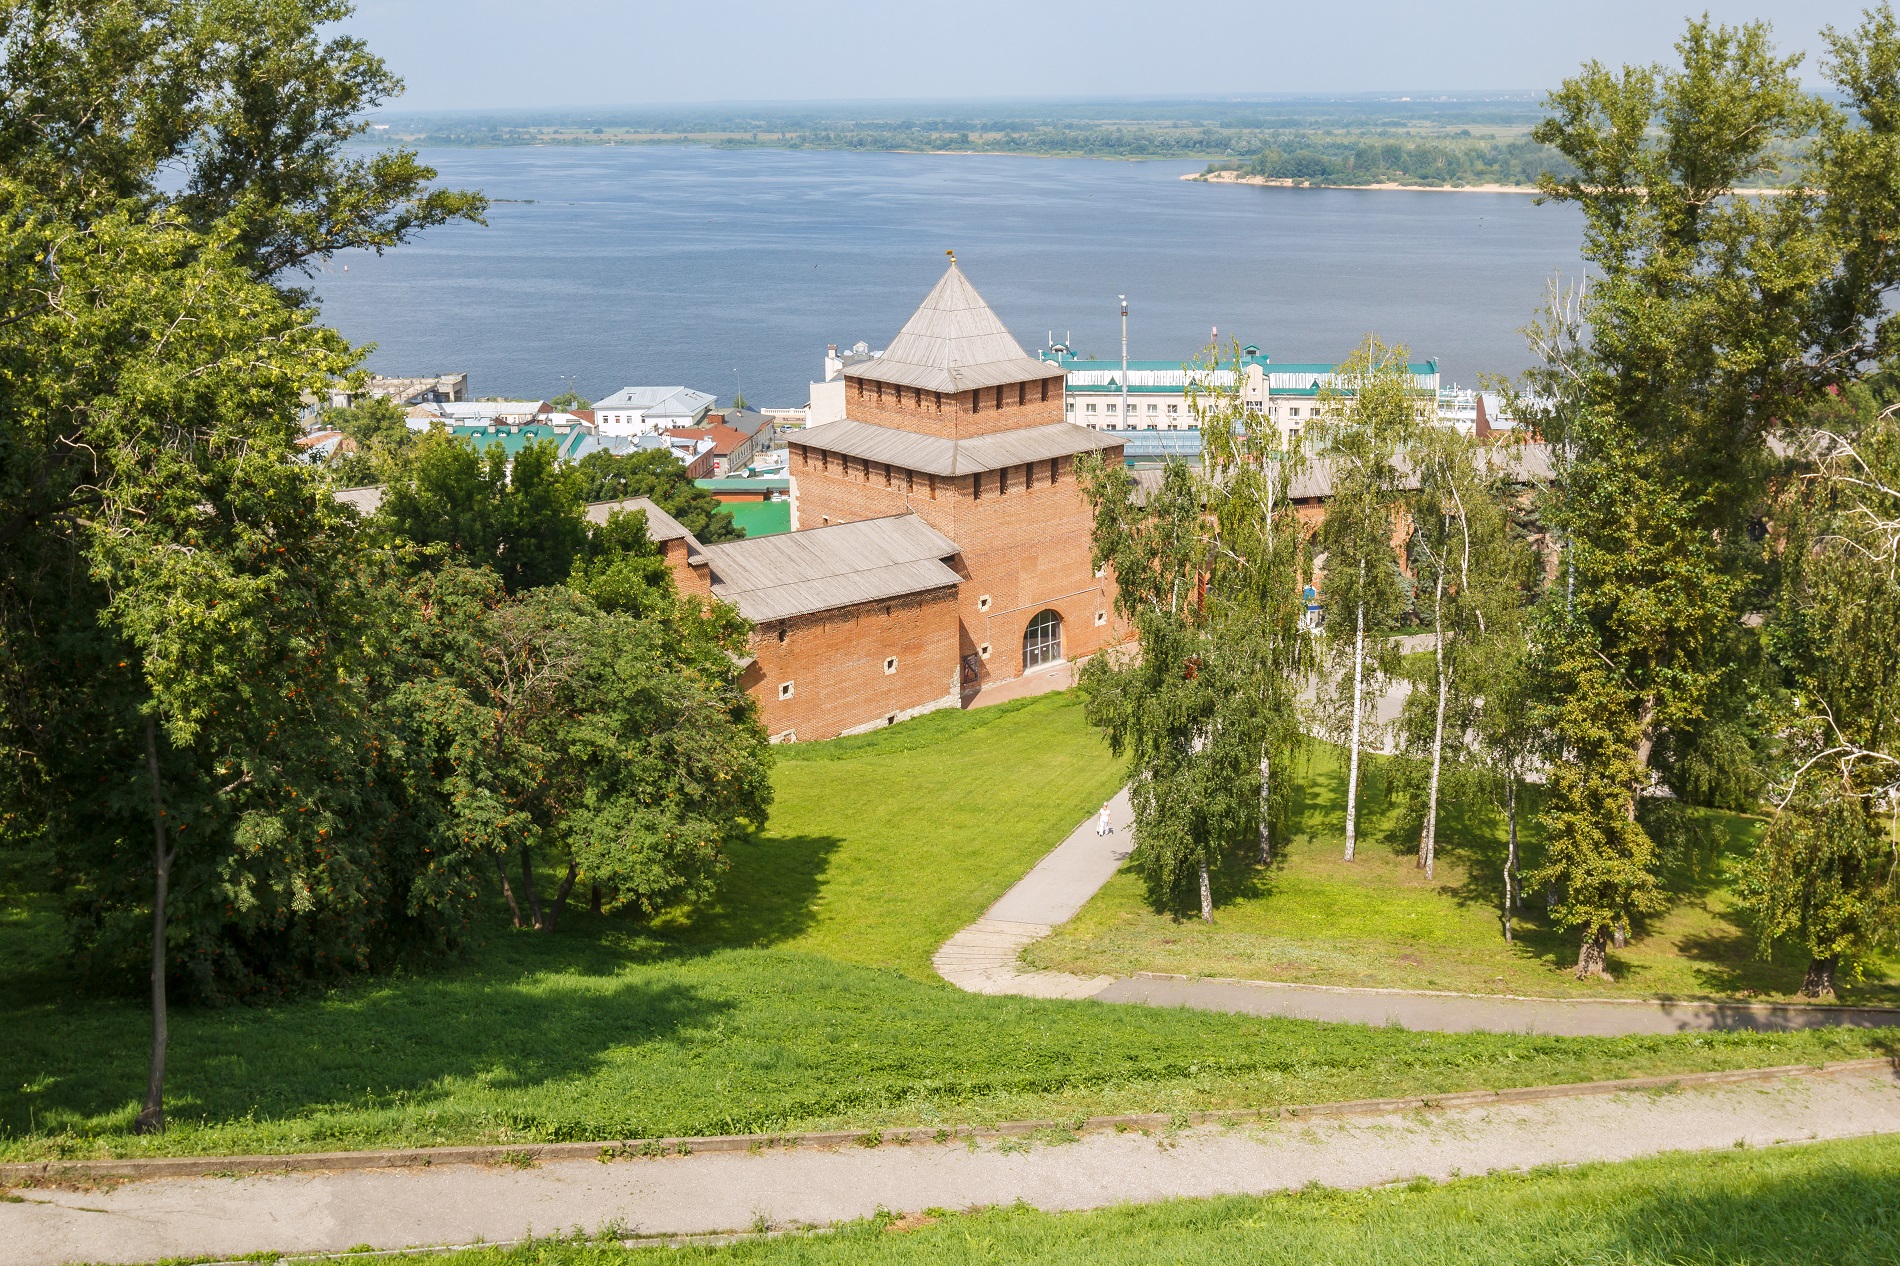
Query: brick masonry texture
[[1024, 533], [954, 416], [836, 661], [695, 583]]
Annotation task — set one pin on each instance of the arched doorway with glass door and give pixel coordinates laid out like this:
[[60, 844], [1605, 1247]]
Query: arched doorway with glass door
[[1042, 641]]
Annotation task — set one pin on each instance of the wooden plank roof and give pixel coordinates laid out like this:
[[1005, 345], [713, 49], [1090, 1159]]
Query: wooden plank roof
[[930, 455], [820, 569], [954, 342]]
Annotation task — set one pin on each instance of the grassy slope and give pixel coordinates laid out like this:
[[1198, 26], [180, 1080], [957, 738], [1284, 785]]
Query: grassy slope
[[803, 1001], [1826, 1203], [1313, 917], [883, 845]]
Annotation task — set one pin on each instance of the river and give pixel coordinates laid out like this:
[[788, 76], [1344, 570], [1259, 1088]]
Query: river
[[730, 270]]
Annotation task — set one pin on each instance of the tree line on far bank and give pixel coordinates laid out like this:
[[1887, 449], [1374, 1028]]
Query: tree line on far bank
[[1702, 608], [1358, 160], [254, 740]]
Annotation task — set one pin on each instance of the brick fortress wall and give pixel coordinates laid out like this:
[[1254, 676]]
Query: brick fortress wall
[[835, 664], [1024, 535]]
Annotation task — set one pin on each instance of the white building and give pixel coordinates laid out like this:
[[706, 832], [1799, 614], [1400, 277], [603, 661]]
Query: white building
[[827, 397], [1472, 412], [477, 413], [646, 410], [1158, 395]]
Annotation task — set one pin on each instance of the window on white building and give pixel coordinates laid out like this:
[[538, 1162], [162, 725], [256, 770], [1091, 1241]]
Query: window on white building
[[1173, 409], [1151, 409], [1089, 407]]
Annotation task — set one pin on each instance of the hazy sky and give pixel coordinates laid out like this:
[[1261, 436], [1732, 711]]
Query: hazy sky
[[514, 53]]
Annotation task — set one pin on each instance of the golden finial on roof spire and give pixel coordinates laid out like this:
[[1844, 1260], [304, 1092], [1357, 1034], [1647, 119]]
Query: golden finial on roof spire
[[953, 256]]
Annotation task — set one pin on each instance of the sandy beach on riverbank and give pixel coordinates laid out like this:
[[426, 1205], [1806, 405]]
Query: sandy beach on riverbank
[[1235, 178]]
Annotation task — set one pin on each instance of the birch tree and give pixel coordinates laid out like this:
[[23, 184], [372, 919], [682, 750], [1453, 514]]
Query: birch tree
[[1255, 581], [1826, 872], [1207, 573], [1364, 421], [1473, 577]]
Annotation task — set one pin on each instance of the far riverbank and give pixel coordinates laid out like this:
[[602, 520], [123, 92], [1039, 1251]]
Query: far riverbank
[[1287, 182]]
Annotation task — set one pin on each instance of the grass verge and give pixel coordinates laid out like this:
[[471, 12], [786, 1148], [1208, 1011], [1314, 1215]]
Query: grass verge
[[1313, 918], [1830, 1203]]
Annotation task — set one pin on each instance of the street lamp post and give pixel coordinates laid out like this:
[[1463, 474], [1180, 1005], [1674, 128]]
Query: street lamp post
[[1125, 421]]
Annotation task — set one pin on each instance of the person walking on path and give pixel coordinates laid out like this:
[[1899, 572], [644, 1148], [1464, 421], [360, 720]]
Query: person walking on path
[[1101, 823]]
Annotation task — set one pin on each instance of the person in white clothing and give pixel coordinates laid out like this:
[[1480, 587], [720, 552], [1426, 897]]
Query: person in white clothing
[[1101, 823]]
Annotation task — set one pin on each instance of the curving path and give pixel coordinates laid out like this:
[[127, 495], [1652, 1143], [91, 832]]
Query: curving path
[[985, 957], [782, 1184]]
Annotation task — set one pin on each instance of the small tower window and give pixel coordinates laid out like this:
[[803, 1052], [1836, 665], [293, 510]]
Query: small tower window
[[890, 665], [785, 690]]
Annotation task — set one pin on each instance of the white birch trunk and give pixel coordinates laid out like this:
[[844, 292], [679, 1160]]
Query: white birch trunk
[[1510, 857], [1266, 789], [1358, 716], [1207, 897], [1428, 841]]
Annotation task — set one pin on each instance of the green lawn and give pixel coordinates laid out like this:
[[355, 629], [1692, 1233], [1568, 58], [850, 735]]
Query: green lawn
[[883, 845], [1827, 1203], [1313, 917], [803, 1001]]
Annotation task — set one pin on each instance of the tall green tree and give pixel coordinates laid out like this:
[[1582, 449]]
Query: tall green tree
[[1365, 418], [184, 630], [184, 624], [1826, 872], [522, 518], [231, 113], [1715, 318], [1255, 580]]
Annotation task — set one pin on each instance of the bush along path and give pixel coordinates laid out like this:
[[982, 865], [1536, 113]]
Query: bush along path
[[985, 958]]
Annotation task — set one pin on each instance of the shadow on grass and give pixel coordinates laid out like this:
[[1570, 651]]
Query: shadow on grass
[[533, 1010], [1834, 1214], [767, 898]]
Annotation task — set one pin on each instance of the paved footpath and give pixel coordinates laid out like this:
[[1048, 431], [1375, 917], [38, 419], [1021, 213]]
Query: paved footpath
[[985, 958], [737, 1191]]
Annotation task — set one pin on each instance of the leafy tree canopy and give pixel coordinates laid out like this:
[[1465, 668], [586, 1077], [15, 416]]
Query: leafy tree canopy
[[234, 114], [658, 476], [522, 519]]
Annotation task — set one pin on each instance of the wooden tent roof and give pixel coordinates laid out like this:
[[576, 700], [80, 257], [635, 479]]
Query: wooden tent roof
[[953, 342]]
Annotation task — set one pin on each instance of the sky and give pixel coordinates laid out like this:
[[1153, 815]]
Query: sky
[[508, 54]]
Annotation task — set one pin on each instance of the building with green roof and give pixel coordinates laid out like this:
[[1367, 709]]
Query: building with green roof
[[1156, 395]]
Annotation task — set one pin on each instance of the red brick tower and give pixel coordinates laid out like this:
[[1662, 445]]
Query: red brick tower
[[956, 423]]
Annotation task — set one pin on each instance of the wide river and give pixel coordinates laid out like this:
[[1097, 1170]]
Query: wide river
[[731, 270]]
